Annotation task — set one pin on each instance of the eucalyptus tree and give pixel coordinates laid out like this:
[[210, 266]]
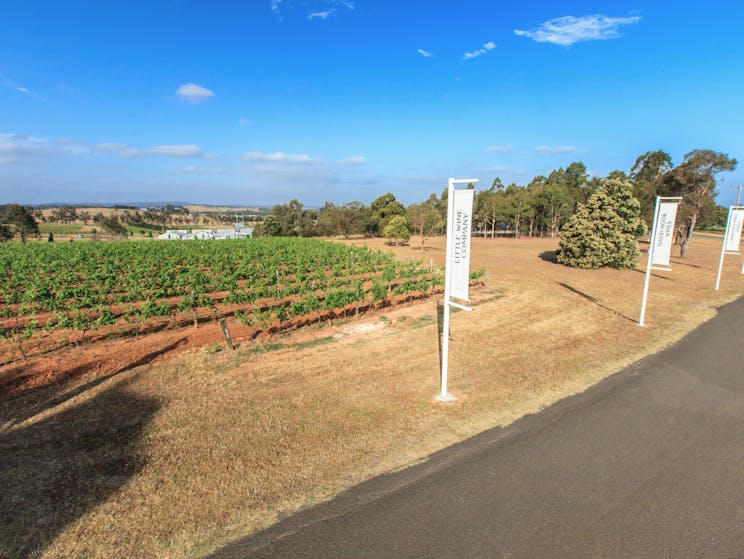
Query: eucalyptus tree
[[695, 180], [20, 219], [645, 174], [424, 219]]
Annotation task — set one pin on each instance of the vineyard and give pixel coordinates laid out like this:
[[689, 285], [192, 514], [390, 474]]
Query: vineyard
[[129, 288]]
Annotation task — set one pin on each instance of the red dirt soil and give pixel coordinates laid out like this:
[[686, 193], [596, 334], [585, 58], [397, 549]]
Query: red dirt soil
[[61, 356]]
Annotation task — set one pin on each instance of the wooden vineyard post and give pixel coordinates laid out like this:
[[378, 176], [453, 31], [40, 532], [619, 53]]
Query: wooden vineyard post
[[194, 307], [226, 333]]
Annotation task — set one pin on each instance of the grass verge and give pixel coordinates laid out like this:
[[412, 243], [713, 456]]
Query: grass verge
[[172, 459]]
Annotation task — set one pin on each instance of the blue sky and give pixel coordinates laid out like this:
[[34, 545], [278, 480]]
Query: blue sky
[[260, 101]]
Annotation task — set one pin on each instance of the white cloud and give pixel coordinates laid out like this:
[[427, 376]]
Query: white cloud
[[490, 45], [551, 150], [278, 157], [568, 30], [355, 160], [316, 9], [7, 82], [244, 122], [124, 150], [321, 15], [424, 53], [19, 148], [194, 93], [16, 148], [193, 169], [499, 149]]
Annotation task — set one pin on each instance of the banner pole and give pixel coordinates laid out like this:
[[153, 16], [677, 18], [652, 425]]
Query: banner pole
[[648, 264], [443, 395], [723, 248]]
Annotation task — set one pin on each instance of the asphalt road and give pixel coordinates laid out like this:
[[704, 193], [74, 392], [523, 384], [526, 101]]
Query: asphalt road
[[648, 463]]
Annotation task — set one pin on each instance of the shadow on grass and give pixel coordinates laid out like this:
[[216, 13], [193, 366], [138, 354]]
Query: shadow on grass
[[549, 256], [682, 263], [657, 276], [595, 301], [56, 470], [37, 400]]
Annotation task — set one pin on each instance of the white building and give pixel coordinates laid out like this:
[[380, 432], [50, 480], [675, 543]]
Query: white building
[[239, 231]]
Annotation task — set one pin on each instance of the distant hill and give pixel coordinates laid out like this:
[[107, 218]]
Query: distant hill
[[136, 205]]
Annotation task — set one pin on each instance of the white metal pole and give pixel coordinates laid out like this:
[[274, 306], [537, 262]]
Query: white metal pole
[[648, 264], [723, 248], [443, 395]]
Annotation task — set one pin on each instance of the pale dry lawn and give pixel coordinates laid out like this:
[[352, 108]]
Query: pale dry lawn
[[173, 459]]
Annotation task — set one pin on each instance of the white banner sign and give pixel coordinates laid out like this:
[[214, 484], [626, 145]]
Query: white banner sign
[[664, 233], [733, 234], [460, 253]]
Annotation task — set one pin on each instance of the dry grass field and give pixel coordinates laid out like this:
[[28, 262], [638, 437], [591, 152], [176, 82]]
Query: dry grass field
[[172, 459]]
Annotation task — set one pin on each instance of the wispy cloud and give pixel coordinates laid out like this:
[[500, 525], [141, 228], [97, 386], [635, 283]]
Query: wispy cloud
[[321, 15], [244, 122], [15, 148], [19, 148], [277, 157], [551, 150], [194, 93], [424, 53], [351, 161], [124, 150], [499, 149], [11, 84], [568, 30], [506, 169], [193, 169], [316, 9], [489, 46], [276, 8]]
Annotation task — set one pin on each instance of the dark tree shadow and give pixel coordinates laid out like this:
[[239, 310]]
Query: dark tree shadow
[[37, 400], [440, 328], [52, 472], [549, 256], [595, 301]]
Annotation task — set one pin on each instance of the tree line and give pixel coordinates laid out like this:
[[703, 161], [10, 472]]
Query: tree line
[[540, 208]]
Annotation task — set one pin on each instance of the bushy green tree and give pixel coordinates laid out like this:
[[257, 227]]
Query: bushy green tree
[[5, 233], [396, 231], [21, 219], [603, 231], [346, 220], [269, 227], [382, 210], [645, 175], [113, 226], [627, 205]]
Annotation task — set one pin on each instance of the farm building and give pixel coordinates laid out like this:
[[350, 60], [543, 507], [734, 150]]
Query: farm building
[[239, 231]]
